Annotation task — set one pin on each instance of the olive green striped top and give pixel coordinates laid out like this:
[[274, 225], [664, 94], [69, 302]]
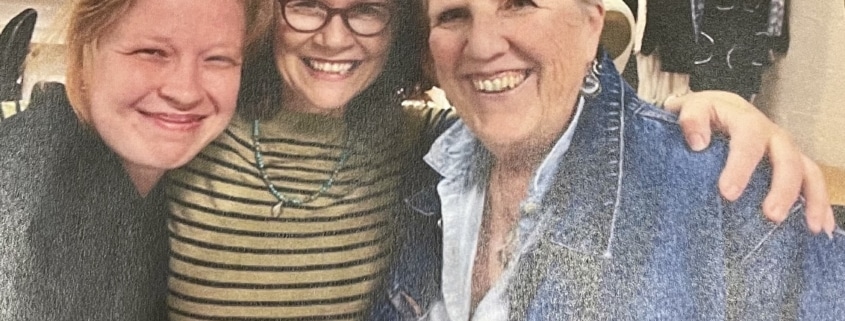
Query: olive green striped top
[[324, 260]]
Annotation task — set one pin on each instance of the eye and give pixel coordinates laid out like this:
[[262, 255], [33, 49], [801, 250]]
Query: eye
[[305, 7], [451, 16], [150, 53], [370, 11], [224, 61], [303, 4], [518, 4]]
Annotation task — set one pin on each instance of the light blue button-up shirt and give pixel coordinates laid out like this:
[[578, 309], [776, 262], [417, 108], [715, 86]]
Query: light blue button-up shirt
[[464, 163]]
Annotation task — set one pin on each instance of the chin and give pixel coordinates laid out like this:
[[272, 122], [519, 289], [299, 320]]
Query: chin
[[166, 164], [508, 141], [161, 159], [331, 107]]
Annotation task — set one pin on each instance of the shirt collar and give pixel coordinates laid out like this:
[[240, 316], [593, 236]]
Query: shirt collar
[[546, 173], [454, 153]]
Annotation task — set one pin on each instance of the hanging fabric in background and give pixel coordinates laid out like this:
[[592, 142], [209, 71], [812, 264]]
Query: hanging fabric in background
[[776, 15], [720, 44], [632, 4], [697, 17], [653, 83], [669, 31], [735, 43], [777, 28]]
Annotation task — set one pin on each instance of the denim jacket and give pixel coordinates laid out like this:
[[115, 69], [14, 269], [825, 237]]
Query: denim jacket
[[638, 231]]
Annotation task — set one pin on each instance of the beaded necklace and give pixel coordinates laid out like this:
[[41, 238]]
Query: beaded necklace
[[285, 200]]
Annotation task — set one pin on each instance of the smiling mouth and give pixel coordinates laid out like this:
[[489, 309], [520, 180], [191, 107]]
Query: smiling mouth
[[176, 121], [500, 82], [331, 67]]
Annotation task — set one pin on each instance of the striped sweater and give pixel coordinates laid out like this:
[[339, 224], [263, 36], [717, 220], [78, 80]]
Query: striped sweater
[[323, 260]]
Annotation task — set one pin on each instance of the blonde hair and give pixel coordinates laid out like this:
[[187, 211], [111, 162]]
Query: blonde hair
[[89, 20]]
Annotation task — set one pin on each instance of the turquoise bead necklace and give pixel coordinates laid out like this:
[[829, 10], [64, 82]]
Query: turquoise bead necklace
[[285, 200]]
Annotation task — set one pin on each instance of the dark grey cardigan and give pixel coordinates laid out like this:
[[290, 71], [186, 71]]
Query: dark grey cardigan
[[76, 240]]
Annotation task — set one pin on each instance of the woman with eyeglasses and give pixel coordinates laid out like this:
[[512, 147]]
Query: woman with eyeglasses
[[293, 213], [290, 213]]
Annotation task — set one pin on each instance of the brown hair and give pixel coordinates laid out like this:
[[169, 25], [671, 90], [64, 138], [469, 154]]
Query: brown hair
[[372, 114], [90, 20]]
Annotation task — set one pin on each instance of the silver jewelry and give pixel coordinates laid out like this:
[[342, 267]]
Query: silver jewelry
[[286, 200], [592, 85]]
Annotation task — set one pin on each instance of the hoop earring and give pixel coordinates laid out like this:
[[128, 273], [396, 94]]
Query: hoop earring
[[592, 85]]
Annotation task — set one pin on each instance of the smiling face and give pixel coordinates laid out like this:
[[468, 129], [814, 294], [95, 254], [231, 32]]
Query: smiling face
[[324, 69], [513, 69], [163, 81]]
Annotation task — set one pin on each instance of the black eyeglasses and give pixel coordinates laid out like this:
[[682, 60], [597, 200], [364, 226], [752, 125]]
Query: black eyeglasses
[[363, 19]]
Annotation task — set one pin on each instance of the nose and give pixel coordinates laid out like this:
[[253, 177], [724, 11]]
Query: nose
[[485, 40], [335, 34], [182, 85]]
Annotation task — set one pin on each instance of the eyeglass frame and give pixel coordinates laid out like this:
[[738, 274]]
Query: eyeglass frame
[[331, 12]]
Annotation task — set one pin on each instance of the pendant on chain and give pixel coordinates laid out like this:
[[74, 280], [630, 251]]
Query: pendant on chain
[[278, 209]]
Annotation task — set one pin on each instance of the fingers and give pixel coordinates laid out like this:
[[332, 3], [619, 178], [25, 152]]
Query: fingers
[[818, 210], [750, 133], [744, 155], [829, 226], [752, 136], [787, 175], [695, 116]]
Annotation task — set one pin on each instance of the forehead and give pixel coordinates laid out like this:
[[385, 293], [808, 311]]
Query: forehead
[[183, 10], [216, 20], [346, 3], [441, 4]]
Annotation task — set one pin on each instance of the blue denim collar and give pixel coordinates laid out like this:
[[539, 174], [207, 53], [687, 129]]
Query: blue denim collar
[[587, 218], [544, 177]]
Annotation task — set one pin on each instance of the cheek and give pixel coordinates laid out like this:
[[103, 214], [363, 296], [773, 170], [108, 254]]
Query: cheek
[[377, 51], [122, 80], [443, 54], [567, 61], [108, 97], [223, 87], [102, 79], [379, 45], [287, 41]]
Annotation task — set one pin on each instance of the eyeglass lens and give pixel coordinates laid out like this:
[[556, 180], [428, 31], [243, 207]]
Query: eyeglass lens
[[365, 18]]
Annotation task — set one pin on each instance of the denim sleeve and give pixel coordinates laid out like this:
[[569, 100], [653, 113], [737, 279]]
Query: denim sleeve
[[780, 271], [413, 280]]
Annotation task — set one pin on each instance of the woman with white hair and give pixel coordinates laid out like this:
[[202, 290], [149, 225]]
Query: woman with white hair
[[566, 197]]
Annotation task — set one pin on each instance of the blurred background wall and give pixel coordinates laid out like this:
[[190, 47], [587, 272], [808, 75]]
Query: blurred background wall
[[805, 90]]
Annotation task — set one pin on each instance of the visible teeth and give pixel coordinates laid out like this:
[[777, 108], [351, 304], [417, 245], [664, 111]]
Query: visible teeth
[[175, 118], [331, 67], [501, 83]]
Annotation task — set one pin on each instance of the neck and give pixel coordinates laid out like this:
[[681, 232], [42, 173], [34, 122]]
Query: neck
[[144, 178], [527, 155], [300, 104], [520, 160]]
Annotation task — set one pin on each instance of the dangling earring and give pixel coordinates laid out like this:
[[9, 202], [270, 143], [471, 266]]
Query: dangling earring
[[592, 86]]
